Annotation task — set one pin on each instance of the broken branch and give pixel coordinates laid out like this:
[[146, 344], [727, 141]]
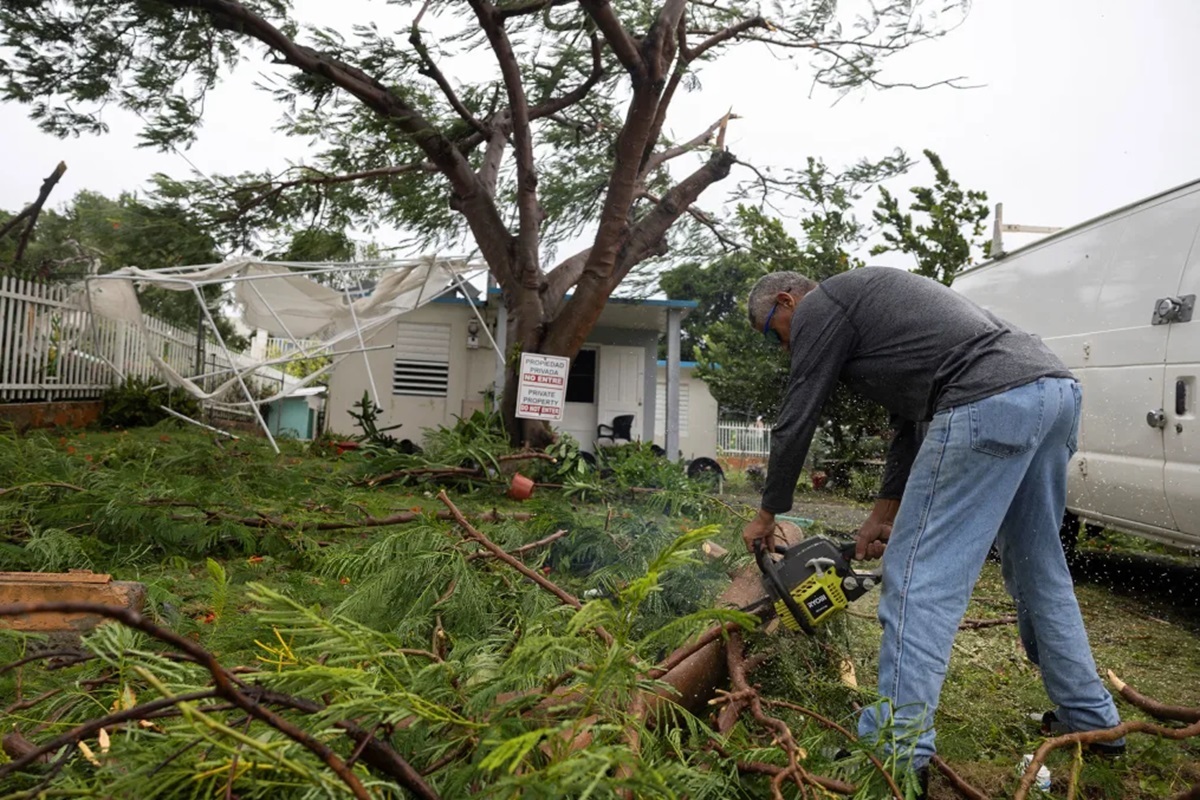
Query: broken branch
[[525, 548], [1151, 706], [31, 212]]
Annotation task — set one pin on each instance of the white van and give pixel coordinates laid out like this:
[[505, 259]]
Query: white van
[[1113, 297]]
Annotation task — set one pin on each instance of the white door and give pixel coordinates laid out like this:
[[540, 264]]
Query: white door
[[1181, 435], [622, 385]]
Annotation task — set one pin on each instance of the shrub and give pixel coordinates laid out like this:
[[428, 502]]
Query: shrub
[[138, 403]]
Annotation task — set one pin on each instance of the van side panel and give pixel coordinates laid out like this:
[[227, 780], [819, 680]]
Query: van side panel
[[1090, 294]]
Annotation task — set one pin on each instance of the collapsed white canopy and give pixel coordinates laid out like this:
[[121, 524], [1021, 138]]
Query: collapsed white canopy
[[283, 299]]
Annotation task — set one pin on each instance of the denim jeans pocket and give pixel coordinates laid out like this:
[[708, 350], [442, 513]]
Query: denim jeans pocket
[[1008, 424], [1073, 436]]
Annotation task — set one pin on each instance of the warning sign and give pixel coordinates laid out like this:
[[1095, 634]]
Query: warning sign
[[542, 390]]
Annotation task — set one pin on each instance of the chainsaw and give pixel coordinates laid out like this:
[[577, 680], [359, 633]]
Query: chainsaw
[[812, 581]]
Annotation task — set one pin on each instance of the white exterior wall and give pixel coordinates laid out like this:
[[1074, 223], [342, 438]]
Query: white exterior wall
[[697, 415], [470, 373]]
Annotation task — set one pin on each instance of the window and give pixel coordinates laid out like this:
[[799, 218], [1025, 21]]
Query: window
[[422, 365], [660, 408], [581, 379]]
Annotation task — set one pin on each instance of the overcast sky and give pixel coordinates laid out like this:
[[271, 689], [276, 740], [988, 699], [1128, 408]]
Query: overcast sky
[[1085, 105]]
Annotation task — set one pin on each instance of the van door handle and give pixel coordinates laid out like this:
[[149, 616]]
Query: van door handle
[[1156, 418], [1181, 405]]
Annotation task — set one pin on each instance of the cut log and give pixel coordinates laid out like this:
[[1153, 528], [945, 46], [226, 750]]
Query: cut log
[[80, 586]]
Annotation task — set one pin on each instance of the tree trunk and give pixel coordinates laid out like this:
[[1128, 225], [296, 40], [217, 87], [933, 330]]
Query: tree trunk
[[526, 333]]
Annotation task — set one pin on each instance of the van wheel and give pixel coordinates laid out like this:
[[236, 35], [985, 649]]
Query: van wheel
[[1068, 534]]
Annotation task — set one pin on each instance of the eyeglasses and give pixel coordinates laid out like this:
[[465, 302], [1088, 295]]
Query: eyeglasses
[[769, 332]]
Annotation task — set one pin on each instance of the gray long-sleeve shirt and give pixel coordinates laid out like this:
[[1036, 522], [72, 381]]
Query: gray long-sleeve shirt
[[910, 344]]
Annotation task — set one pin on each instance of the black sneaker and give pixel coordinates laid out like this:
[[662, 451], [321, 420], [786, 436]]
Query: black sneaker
[[1051, 725], [922, 783]]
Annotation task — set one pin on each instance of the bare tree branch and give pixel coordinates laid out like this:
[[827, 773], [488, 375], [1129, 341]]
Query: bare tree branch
[[721, 36], [557, 104], [479, 208], [31, 212], [533, 7], [622, 44], [489, 171], [430, 70], [658, 159], [269, 190], [529, 213], [90, 727], [565, 274]]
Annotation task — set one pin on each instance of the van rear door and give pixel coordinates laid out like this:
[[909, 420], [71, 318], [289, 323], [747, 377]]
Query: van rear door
[[1182, 432]]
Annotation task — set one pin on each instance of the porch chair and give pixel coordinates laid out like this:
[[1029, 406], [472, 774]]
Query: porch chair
[[621, 428]]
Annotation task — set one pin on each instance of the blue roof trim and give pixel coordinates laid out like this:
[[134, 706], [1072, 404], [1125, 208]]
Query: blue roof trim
[[634, 301], [682, 364]]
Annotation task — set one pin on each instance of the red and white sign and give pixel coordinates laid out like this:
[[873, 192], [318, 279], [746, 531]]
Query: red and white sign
[[542, 389]]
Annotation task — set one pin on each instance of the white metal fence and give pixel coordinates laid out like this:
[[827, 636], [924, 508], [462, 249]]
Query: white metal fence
[[52, 350], [743, 439]]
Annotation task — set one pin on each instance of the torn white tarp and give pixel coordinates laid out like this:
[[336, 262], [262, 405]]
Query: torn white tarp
[[281, 298]]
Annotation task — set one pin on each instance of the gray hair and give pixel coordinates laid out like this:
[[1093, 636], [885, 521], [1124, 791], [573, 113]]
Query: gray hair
[[763, 295]]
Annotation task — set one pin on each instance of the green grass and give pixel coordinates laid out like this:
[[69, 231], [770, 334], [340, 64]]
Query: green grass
[[138, 512]]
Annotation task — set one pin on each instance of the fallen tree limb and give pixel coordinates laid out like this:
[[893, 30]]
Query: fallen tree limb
[[80, 732], [213, 516], [525, 548], [1151, 706], [541, 580], [828, 723], [226, 686], [976, 624], [1084, 738], [957, 781]]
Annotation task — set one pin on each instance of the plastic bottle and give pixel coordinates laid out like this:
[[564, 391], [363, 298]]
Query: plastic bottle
[[1042, 781]]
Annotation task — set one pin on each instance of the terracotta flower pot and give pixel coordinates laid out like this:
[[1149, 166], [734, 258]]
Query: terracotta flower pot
[[818, 480], [521, 487]]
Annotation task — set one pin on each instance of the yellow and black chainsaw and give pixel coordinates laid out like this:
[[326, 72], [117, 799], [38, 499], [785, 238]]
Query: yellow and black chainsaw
[[811, 581]]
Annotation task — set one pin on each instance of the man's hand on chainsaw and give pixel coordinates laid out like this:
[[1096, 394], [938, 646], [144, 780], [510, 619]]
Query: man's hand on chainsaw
[[761, 529], [871, 540], [873, 535]]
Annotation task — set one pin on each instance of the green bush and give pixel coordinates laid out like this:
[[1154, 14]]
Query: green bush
[[136, 403]]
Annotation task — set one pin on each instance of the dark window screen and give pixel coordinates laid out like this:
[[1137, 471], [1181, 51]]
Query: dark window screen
[[581, 380]]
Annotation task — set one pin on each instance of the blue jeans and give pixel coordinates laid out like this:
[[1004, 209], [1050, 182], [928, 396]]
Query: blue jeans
[[992, 470]]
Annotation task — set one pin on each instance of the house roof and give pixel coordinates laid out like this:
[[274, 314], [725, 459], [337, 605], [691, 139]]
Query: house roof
[[620, 312]]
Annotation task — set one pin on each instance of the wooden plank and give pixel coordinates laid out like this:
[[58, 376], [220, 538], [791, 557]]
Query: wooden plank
[[74, 576]]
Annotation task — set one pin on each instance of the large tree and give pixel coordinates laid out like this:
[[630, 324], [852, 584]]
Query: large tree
[[564, 135]]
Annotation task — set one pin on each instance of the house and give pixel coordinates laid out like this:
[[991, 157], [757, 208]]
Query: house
[[441, 365]]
